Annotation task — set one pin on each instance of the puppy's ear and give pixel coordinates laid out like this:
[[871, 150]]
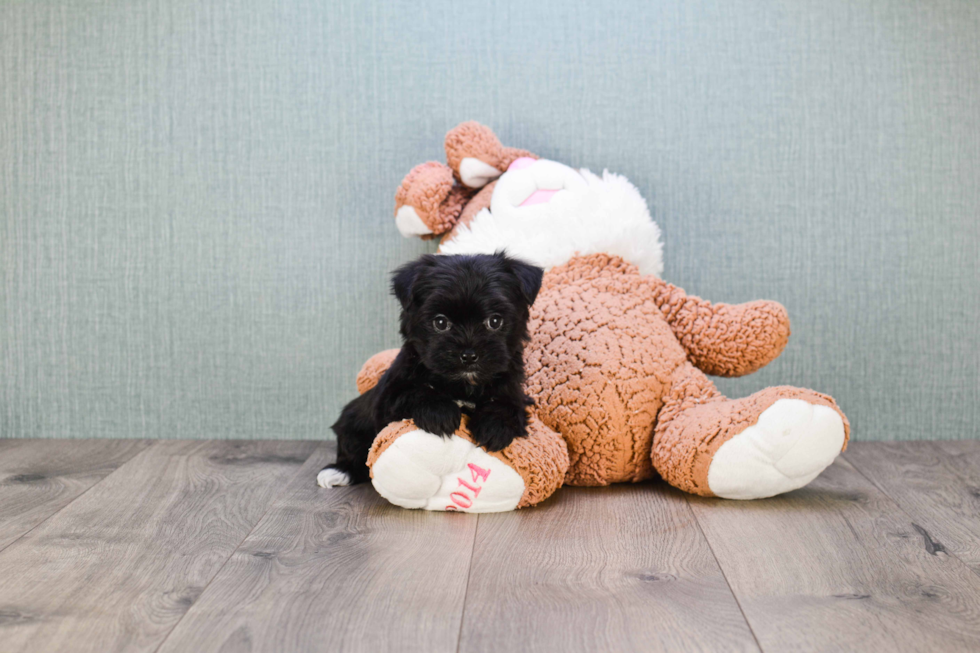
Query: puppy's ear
[[404, 279], [528, 278]]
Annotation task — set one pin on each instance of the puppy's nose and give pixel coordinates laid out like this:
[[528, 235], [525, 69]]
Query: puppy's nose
[[469, 356]]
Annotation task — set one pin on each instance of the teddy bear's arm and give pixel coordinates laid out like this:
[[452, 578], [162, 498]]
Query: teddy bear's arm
[[375, 367], [724, 339]]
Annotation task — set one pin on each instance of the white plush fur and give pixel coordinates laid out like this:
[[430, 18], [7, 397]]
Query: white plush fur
[[476, 173], [607, 214], [422, 470], [410, 224], [788, 447]]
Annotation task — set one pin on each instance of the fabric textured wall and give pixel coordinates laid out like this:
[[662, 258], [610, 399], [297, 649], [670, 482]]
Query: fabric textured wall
[[196, 197]]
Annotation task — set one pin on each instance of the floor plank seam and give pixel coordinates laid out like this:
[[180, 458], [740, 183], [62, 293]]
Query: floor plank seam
[[748, 624], [939, 452], [82, 494], [898, 504], [466, 587], [218, 571]]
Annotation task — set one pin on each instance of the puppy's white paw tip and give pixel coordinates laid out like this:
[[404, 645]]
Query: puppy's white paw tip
[[330, 477]]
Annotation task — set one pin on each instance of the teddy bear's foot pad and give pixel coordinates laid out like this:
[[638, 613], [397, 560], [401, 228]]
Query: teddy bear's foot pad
[[422, 470], [792, 442]]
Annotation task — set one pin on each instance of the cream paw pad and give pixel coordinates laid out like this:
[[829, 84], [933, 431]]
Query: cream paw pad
[[412, 468], [788, 447]]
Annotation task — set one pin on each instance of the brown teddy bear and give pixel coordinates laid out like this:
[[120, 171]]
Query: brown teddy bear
[[618, 358]]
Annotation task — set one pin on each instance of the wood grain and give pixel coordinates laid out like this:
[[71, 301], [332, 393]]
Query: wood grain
[[937, 483], [336, 570], [623, 568], [119, 566], [40, 477], [199, 546], [839, 566]]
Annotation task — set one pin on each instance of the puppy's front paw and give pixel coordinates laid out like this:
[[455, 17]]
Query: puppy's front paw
[[439, 417], [495, 432], [330, 476]]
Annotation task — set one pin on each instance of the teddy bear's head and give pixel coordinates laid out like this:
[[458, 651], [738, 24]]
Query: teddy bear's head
[[491, 198], [481, 174]]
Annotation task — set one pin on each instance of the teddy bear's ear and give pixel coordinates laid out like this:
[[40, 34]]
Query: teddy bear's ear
[[428, 201], [404, 281], [476, 156]]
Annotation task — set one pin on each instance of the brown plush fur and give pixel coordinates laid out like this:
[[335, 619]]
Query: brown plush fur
[[430, 189], [617, 361], [608, 370], [541, 458], [473, 140]]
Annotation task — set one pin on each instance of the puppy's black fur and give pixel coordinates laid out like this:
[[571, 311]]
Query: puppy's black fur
[[464, 325]]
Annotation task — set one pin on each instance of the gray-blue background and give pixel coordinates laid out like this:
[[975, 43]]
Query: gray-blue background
[[196, 197]]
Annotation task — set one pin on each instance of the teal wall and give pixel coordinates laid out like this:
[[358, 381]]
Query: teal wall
[[196, 197]]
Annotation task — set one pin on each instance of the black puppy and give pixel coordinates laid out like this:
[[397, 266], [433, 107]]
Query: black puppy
[[464, 325]]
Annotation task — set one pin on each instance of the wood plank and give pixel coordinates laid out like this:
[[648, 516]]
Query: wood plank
[[119, 566], [40, 477], [623, 568], [837, 565], [336, 570], [936, 483]]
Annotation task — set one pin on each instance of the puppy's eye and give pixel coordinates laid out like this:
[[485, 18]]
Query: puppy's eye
[[494, 322], [441, 323]]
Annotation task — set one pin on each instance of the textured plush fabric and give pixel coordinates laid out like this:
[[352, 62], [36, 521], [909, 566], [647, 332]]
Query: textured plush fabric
[[762, 327], [429, 187], [584, 213], [607, 371], [195, 197], [375, 367], [479, 202], [617, 357], [430, 190], [387, 437], [696, 420], [597, 366], [540, 459]]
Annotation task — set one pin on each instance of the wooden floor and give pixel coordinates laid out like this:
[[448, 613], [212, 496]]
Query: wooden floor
[[229, 546]]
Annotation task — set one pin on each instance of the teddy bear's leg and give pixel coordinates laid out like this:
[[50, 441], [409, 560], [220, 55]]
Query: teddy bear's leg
[[476, 156], [416, 469], [723, 339], [776, 440]]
